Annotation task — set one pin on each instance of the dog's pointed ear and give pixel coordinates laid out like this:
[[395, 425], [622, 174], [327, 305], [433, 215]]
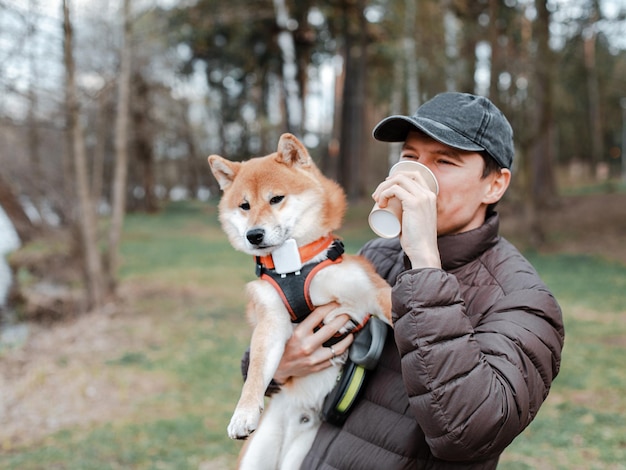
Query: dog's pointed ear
[[223, 170], [292, 152]]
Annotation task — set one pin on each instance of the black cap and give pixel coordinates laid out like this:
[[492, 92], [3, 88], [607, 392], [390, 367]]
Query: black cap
[[459, 120]]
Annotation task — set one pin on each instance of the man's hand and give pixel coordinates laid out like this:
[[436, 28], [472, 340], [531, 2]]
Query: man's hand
[[419, 216], [304, 353]]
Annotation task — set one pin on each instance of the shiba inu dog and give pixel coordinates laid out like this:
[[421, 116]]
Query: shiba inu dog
[[281, 210]]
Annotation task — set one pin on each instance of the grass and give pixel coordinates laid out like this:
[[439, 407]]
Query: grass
[[582, 425], [184, 280]]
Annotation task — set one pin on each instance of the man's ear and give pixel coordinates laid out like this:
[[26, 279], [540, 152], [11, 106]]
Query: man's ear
[[498, 185]]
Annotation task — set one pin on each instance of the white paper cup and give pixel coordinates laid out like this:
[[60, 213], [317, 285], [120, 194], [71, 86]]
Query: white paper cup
[[387, 222]]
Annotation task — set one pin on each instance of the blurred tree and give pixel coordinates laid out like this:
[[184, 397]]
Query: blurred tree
[[292, 76], [469, 13], [95, 279], [193, 161], [589, 36], [15, 212], [542, 150], [120, 177], [540, 177], [34, 134], [104, 115], [236, 44], [575, 87], [556, 72], [409, 48], [142, 144], [354, 53]]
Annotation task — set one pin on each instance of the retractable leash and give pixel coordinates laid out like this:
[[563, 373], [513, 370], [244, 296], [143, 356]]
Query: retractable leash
[[364, 354]]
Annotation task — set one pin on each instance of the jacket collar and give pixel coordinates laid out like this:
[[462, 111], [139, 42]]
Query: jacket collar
[[461, 248]]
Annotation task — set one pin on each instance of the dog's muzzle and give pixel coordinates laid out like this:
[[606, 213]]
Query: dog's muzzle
[[255, 236]]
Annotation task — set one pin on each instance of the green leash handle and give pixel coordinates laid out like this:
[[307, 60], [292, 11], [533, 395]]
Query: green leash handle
[[364, 354]]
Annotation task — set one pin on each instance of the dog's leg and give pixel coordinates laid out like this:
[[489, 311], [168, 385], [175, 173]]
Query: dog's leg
[[265, 353], [301, 401], [270, 334], [299, 447], [301, 427], [285, 434], [262, 450]]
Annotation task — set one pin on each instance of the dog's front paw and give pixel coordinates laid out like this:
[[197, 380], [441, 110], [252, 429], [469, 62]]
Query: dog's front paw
[[243, 423]]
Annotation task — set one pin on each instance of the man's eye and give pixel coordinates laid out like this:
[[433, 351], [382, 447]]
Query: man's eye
[[244, 206], [276, 199]]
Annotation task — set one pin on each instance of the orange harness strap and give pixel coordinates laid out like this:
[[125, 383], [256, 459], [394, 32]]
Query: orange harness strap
[[307, 252]]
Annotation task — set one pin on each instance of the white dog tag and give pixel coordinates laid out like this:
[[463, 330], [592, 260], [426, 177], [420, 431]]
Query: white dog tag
[[287, 257]]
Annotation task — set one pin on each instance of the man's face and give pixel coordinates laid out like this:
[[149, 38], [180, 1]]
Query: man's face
[[463, 194]]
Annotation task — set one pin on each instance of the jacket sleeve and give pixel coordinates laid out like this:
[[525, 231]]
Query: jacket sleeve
[[474, 384]]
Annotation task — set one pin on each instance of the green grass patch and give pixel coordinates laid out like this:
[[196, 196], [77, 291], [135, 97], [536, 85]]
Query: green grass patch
[[583, 421], [182, 276], [158, 444], [589, 282]]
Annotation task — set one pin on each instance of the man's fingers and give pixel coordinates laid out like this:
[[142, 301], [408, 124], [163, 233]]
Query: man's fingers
[[342, 346], [318, 314], [330, 329], [313, 333]]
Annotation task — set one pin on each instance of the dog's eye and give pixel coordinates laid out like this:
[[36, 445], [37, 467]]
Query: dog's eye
[[244, 206], [276, 199]]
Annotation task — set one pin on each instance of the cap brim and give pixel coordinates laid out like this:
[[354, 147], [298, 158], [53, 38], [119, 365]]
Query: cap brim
[[396, 129]]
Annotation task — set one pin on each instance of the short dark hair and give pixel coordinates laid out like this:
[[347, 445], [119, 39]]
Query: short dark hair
[[491, 166]]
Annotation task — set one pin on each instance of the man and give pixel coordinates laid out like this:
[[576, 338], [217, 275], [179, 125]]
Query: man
[[477, 335]]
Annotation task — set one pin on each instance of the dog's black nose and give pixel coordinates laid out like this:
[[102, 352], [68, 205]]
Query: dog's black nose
[[255, 236]]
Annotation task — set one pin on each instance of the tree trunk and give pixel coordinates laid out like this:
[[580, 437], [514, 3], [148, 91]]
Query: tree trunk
[[353, 108], [194, 172], [469, 12], [293, 97], [120, 176], [102, 125], [143, 153], [396, 108], [544, 188], [494, 34], [34, 137], [593, 92], [540, 180], [410, 56], [87, 218], [14, 211], [527, 131]]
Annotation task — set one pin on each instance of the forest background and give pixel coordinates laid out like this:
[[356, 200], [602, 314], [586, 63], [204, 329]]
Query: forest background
[[109, 108]]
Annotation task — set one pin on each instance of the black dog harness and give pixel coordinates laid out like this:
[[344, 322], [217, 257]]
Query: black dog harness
[[294, 288]]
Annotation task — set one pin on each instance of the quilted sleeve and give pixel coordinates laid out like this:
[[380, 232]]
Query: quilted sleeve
[[474, 383]]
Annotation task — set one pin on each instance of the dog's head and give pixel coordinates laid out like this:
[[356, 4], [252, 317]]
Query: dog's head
[[270, 199]]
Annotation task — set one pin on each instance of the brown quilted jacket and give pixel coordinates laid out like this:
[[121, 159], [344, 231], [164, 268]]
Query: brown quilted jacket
[[474, 351]]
